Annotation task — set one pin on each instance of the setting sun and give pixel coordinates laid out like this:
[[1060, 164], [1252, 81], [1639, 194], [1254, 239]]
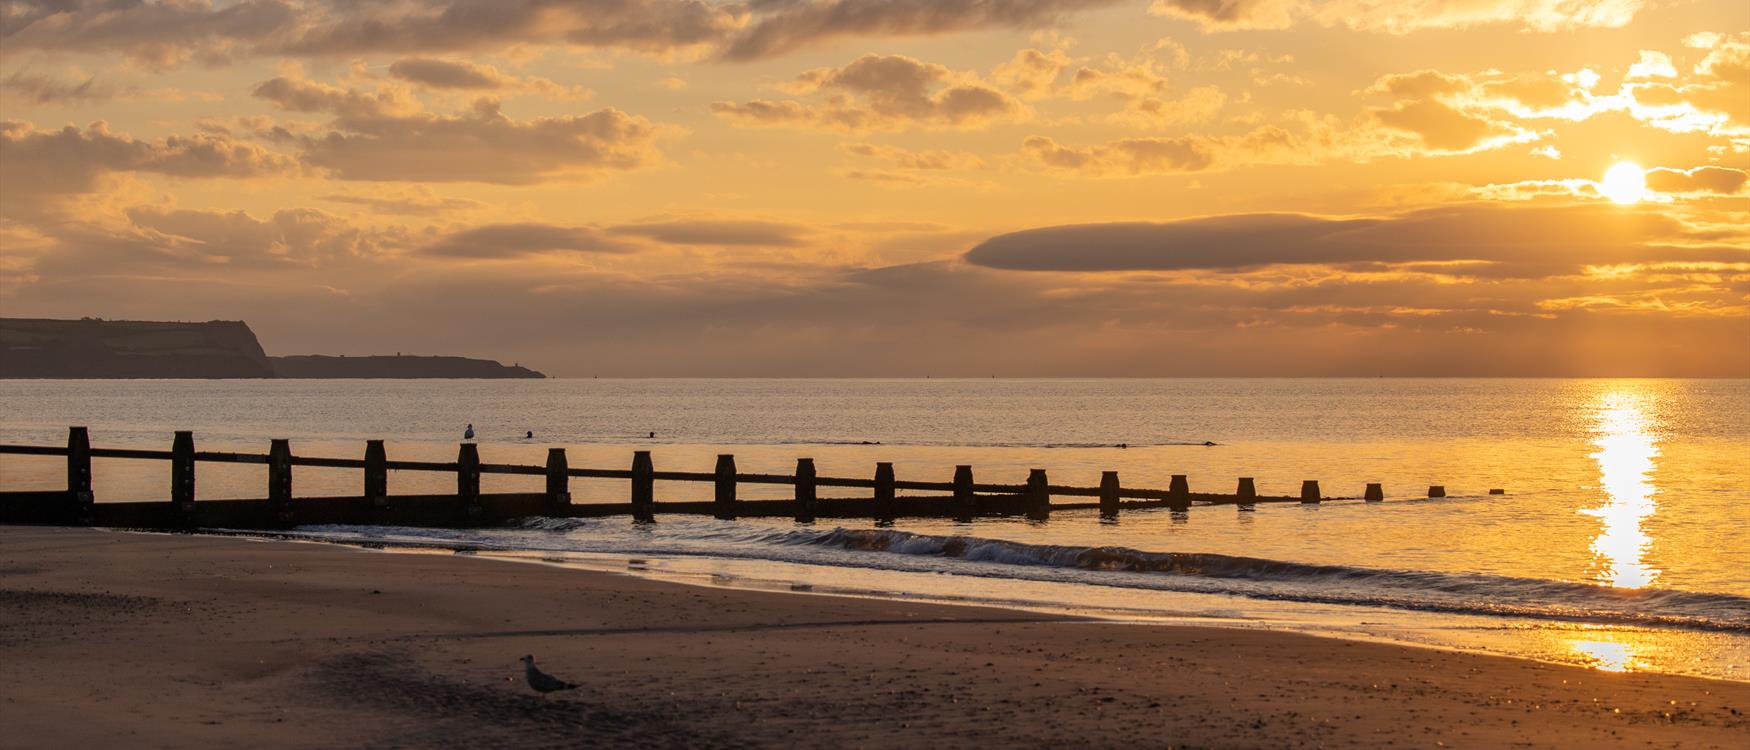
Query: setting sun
[[1624, 183]]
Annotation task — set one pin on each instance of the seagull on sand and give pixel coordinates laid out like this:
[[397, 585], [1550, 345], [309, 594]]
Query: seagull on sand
[[541, 681]]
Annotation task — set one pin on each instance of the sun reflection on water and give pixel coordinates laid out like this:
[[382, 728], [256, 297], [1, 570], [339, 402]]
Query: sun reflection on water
[[1607, 656], [1627, 447]]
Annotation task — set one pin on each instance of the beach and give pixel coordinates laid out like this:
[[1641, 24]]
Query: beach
[[142, 640]]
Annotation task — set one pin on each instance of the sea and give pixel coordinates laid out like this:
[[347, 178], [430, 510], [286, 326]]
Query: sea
[[1620, 540]]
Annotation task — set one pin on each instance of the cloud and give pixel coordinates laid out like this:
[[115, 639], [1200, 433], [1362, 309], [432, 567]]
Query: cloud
[[37, 88], [158, 33], [661, 27], [418, 201], [382, 135], [1494, 240], [1126, 156], [1395, 17], [48, 162], [716, 232], [794, 24], [507, 241], [1699, 180], [930, 159], [466, 76], [881, 92], [297, 236]]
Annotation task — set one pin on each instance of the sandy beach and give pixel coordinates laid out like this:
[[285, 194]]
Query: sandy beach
[[120, 639]]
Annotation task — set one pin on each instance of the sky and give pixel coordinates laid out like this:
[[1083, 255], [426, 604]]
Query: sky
[[901, 188]]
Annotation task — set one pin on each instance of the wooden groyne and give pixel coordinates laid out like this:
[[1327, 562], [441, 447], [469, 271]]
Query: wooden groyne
[[882, 496]]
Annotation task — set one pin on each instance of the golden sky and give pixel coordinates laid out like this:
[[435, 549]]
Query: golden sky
[[896, 187]]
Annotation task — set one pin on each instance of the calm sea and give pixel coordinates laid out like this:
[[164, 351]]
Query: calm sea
[[1622, 542]]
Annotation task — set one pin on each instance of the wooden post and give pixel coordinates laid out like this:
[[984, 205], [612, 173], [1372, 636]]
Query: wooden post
[[279, 481], [725, 499], [1309, 491], [1038, 498], [643, 487], [965, 502], [1108, 494], [558, 480], [376, 474], [1438, 490], [805, 490], [884, 494], [1179, 493], [468, 482], [79, 497], [182, 477], [1375, 493], [1247, 492]]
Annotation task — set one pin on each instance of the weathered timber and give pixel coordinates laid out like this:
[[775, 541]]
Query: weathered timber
[[724, 479], [468, 483], [558, 481], [805, 490], [1375, 493], [961, 498], [1038, 501], [79, 496], [182, 477], [279, 481], [883, 492], [1109, 493], [965, 497], [643, 487]]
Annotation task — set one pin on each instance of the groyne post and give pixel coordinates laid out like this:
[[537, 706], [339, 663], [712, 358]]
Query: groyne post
[[1309, 491], [1108, 494], [1247, 492], [376, 474], [468, 481], [965, 502], [884, 494], [279, 481], [643, 487], [182, 477], [724, 502], [79, 497], [558, 479], [805, 490], [1375, 493], [1179, 493], [1438, 490], [1038, 501]]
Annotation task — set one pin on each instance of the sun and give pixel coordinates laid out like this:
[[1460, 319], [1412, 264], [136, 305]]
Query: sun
[[1624, 183]]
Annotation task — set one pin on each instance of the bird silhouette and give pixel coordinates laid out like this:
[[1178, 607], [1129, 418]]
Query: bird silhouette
[[541, 681]]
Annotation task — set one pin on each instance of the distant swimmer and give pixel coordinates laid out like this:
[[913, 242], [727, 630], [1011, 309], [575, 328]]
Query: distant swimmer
[[1124, 445], [530, 435], [1208, 443], [652, 435], [468, 434]]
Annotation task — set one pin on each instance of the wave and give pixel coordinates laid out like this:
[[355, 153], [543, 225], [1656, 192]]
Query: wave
[[1252, 577]]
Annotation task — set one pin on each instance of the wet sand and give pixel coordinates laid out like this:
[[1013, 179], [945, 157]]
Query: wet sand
[[114, 639]]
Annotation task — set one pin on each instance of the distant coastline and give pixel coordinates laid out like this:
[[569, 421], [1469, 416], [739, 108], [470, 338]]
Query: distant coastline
[[219, 349]]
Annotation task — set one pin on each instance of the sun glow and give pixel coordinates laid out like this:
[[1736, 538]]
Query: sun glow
[[1624, 183]]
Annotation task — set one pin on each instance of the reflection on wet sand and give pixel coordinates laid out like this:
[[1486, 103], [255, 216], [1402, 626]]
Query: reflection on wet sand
[[1607, 655], [1627, 447]]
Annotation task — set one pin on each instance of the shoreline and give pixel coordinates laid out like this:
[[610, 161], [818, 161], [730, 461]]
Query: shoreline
[[1387, 625], [198, 641]]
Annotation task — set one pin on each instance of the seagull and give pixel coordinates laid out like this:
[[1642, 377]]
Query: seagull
[[541, 681]]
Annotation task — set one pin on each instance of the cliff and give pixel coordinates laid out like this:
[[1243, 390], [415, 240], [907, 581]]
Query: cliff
[[91, 348], [398, 366]]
